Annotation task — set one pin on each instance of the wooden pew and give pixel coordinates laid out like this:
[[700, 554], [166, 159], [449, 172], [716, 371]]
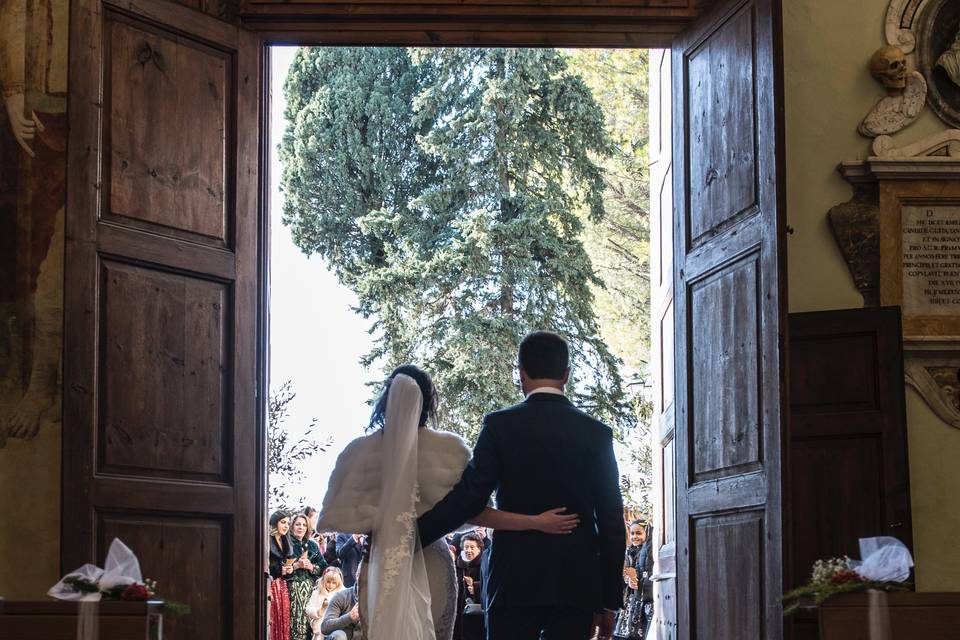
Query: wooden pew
[[58, 620], [913, 616]]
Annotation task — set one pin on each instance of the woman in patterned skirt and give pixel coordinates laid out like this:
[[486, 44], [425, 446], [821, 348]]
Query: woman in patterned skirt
[[281, 566], [307, 567]]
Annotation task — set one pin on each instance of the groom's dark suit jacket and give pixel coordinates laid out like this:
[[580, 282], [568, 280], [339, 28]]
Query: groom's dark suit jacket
[[541, 454]]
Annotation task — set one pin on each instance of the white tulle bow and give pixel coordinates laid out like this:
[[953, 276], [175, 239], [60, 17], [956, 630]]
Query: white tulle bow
[[120, 568]]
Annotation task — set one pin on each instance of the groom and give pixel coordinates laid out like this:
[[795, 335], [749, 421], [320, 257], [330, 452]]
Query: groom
[[541, 454]]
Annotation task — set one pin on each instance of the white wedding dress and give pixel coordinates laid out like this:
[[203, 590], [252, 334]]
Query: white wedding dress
[[381, 483]]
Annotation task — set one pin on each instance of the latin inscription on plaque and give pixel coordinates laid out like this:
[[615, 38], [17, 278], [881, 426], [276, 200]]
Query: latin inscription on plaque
[[931, 260]]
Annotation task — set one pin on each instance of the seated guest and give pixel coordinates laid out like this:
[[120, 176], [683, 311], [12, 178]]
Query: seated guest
[[329, 584], [342, 619], [469, 623], [349, 550]]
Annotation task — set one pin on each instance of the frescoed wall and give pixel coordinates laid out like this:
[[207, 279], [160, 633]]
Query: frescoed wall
[[33, 140]]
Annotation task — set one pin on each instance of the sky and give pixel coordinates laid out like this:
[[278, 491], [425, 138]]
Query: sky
[[316, 340]]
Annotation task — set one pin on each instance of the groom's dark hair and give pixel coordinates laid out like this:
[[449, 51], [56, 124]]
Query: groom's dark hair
[[544, 355]]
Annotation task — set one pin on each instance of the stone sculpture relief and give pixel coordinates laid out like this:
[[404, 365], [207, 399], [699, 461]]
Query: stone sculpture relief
[[935, 374], [898, 24], [945, 144], [949, 60], [906, 93], [937, 34]]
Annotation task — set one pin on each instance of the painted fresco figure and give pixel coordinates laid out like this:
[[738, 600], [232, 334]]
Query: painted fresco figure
[[33, 81]]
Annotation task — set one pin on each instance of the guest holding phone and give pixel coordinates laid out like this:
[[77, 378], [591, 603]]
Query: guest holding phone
[[637, 613], [307, 567], [281, 566]]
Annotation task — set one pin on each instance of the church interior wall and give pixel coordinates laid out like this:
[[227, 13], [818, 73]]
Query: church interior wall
[[828, 90]]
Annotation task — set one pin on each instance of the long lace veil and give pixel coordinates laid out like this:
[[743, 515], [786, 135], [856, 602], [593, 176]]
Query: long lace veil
[[397, 586]]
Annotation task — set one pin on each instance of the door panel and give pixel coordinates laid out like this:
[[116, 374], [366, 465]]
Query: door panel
[[661, 291], [730, 299], [163, 432], [848, 438]]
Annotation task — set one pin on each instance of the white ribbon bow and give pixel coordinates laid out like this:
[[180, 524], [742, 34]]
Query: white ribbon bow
[[121, 568]]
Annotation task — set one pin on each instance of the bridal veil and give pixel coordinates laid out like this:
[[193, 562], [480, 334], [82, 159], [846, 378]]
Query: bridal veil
[[398, 592]]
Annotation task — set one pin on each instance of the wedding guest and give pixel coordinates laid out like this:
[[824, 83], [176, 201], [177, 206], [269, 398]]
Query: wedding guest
[[637, 612], [281, 566], [350, 551], [469, 622], [342, 619], [330, 549], [312, 515], [307, 568], [329, 584]]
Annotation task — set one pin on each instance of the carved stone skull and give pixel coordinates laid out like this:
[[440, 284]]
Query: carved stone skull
[[889, 67]]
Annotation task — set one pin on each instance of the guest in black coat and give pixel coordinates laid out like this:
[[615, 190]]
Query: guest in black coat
[[469, 622], [541, 454], [637, 613], [349, 551]]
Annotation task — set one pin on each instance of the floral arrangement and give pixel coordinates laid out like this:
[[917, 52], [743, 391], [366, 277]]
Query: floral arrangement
[[133, 592], [834, 576]]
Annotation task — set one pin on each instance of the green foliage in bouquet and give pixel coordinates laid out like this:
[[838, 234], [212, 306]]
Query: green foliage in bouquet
[[831, 577], [136, 592]]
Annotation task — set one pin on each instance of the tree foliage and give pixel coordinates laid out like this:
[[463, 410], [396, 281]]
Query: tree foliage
[[619, 243], [285, 454], [449, 188]]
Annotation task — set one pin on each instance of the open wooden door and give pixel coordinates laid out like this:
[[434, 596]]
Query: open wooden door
[[661, 298], [729, 299], [163, 433]]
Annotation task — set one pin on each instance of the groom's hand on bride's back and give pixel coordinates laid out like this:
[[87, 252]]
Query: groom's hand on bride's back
[[555, 521]]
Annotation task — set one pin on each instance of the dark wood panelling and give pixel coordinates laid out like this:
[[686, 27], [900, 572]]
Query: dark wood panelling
[[730, 298], [817, 385], [835, 496], [727, 558], [848, 440], [930, 616], [163, 380], [169, 115], [724, 339], [165, 336], [722, 93], [636, 23], [185, 556]]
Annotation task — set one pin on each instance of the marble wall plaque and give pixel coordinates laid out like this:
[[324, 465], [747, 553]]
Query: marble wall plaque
[[931, 259]]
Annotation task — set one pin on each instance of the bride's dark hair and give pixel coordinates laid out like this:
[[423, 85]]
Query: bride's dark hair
[[427, 390]]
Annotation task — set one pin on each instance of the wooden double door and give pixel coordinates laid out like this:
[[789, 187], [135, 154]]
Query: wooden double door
[[167, 287]]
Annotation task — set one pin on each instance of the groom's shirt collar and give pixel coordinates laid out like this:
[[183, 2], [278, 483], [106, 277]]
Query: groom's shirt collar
[[552, 390]]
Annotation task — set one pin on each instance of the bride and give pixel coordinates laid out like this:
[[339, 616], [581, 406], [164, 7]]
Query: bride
[[381, 483]]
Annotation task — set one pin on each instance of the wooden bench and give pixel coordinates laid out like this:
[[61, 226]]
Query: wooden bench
[[58, 620], [913, 616]]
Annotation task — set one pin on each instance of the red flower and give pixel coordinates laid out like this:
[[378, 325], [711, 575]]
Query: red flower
[[844, 576], [135, 592]]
